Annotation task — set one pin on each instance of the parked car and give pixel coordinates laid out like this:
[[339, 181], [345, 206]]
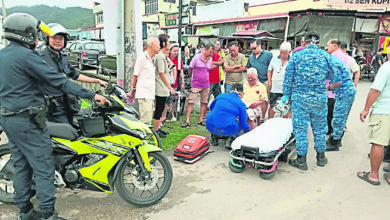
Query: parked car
[[107, 64], [84, 53]]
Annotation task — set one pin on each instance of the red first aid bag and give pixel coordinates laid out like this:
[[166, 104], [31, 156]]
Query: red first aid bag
[[191, 149]]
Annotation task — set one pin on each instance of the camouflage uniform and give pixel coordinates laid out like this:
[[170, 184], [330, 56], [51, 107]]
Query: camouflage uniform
[[345, 95], [304, 82]]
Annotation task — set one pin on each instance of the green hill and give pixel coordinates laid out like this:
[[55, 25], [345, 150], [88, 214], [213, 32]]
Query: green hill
[[72, 18]]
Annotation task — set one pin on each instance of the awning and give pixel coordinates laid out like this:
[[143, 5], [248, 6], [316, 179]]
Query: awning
[[253, 33], [240, 19]]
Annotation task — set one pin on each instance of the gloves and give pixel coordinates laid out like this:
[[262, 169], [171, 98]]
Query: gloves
[[284, 99]]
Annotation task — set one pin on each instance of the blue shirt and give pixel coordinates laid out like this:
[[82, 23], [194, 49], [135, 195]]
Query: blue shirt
[[222, 119], [347, 87], [260, 64], [306, 73]]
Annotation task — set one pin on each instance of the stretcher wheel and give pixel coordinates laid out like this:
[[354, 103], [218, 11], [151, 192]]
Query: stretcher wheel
[[267, 176], [236, 166]]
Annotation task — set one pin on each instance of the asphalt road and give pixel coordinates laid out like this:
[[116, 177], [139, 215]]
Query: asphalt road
[[208, 190]]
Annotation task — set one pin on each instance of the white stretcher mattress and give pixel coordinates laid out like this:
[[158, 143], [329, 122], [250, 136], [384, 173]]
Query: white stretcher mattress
[[269, 136]]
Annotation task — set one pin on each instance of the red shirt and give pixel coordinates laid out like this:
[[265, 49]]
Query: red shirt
[[175, 61], [214, 73]]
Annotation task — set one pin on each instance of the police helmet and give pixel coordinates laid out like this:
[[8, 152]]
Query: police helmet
[[58, 30], [23, 28]]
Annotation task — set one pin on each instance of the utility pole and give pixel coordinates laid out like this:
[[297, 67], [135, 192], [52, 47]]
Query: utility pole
[[179, 33], [4, 10]]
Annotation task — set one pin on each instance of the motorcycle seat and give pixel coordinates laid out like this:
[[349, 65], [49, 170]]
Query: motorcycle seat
[[62, 130]]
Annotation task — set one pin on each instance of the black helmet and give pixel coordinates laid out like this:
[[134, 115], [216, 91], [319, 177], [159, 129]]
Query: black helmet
[[58, 30], [23, 28]]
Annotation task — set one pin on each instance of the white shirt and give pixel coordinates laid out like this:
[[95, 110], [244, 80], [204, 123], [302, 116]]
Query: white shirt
[[278, 70], [382, 83], [144, 68], [352, 65]]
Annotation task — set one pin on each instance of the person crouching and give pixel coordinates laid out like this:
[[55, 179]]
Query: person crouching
[[222, 120]]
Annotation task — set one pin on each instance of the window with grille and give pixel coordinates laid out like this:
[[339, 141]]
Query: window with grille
[[151, 6], [100, 18]]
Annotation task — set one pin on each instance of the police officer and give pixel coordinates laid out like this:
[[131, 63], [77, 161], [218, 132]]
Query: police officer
[[345, 95], [62, 106], [23, 75], [304, 84]]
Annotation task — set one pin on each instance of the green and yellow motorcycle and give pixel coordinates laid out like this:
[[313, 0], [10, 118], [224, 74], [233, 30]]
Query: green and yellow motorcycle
[[109, 151]]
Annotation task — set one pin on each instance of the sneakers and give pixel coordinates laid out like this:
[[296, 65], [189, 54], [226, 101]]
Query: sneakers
[[299, 162], [31, 215], [173, 119]]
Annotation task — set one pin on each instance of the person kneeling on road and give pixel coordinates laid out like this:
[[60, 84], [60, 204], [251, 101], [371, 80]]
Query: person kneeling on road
[[222, 120]]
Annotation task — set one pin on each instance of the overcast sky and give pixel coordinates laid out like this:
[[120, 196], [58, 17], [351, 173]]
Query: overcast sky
[[58, 3]]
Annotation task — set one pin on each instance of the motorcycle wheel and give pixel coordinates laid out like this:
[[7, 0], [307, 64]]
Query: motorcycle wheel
[[145, 193], [7, 192], [155, 139], [372, 78]]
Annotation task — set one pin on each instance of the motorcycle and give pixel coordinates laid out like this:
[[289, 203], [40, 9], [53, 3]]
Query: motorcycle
[[109, 152], [366, 71], [118, 93]]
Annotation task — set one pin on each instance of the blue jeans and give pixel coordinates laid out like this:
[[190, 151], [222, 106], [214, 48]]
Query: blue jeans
[[228, 87]]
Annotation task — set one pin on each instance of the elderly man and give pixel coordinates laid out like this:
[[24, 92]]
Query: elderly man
[[255, 98], [276, 71], [235, 65], [352, 65], [198, 70], [143, 82], [304, 83], [379, 124]]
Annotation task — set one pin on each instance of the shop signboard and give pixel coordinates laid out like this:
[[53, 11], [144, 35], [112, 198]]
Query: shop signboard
[[384, 42], [247, 26], [359, 4], [384, 25], [171, 18]]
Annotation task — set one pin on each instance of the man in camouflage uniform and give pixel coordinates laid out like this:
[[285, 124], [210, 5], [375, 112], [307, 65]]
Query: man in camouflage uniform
[[345, 95], [304, 84]]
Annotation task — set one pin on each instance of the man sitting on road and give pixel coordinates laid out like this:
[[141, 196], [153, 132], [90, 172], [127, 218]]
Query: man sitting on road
[[255, 98], [222, 120]]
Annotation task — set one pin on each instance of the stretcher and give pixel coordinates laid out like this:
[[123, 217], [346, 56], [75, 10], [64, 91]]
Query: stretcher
[[263, 147]]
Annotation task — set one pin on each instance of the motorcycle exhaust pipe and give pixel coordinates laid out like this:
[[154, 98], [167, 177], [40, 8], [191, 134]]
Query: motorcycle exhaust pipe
[[7, 168]]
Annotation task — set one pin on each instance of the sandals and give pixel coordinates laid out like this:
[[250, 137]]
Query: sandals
[[387, 176], [366, 178], [186, 124], [202, 123]]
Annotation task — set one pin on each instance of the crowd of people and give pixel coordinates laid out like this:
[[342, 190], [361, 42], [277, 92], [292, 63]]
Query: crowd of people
[[320, 84]]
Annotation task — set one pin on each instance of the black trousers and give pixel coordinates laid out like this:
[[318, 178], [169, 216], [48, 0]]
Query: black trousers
[[331, 102], [32, 153], [59, 114]]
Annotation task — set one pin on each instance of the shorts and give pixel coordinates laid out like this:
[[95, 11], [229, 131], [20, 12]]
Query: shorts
[[253, 113], [145, 107], [160, 106], [204, 95], [274, 97], [379, 129]]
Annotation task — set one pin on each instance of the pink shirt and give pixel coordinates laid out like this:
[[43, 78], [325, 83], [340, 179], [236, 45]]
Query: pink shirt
[[343, 57], [200, 72]]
